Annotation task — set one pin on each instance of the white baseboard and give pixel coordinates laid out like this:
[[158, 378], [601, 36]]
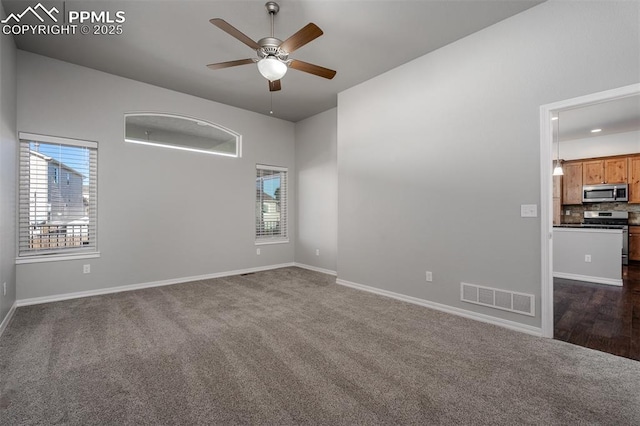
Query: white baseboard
[[109, 290], [316, 269], [588, 278], [7, 319], [535, 331]]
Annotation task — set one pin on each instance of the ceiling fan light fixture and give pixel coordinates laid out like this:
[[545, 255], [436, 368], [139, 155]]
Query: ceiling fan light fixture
[[272, 68]]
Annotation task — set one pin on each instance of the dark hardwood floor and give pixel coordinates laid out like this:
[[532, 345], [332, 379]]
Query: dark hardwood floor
[[598, 316]]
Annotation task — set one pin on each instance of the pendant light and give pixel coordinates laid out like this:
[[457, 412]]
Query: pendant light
[[557, 171]]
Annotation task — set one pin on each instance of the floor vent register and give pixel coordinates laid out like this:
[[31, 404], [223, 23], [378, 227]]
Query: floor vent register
[[520, 303]]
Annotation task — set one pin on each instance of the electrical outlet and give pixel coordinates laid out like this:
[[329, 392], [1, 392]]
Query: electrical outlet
[[86, 269], [317, 252], [4, 288], [429, 276], [567, 213], [258, 251], [587, 258]]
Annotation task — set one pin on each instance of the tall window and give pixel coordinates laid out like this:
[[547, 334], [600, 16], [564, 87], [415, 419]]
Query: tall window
[[57, 216], [271, 204]]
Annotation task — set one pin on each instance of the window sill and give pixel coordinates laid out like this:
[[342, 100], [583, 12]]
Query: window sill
[[273, 241], [56, 257]]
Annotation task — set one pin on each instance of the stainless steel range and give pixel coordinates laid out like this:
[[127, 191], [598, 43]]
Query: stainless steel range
[[610, 220]]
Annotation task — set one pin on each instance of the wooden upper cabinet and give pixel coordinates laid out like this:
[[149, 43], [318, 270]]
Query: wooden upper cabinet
[[610, 170], [593, 172], [596, 171], [557, 200], [572, 183], [634, 179], [615, 170]]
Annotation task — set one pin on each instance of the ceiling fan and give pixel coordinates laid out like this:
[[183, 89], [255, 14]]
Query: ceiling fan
[[273, 54]]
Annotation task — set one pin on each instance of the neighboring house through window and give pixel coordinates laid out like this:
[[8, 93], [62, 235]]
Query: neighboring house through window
[[57, 217], [271, 204]]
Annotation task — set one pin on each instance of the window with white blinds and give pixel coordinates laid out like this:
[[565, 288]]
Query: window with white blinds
[[271, 204], [57, 196]]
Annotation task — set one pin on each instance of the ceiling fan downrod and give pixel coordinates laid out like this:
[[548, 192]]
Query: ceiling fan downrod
[[273, 9]]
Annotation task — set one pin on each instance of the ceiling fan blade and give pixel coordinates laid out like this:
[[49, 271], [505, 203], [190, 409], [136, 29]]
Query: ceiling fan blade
[[305, 35], [221, 65], [274, 86], [234, 32], [312, 69]]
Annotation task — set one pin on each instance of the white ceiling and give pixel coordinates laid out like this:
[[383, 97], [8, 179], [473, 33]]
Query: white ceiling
[[169, 44], [614, 116]]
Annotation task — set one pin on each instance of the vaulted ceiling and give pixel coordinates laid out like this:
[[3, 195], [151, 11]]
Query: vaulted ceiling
[[169, 44]]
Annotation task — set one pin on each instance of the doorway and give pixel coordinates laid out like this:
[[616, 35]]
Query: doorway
[[547, 154]]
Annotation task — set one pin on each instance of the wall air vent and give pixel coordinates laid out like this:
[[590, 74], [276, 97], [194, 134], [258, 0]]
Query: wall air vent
[[520, 303]]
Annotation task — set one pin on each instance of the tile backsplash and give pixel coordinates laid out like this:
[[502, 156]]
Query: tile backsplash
[[576, 211]]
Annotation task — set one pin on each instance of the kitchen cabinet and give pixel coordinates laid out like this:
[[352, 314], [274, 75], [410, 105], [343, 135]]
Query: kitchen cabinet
[[634, 179], [557, 200], [557, 211], [593, 172], [634, 243], [610, 170], [615, 170], [572, 183]]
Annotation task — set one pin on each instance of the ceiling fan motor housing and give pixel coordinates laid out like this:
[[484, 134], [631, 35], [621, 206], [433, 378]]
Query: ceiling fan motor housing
[[270, 46]]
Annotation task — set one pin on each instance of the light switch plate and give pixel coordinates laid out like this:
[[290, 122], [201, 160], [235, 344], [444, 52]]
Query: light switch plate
[[528, 210]]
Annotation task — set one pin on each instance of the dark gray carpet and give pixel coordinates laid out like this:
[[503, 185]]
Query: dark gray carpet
[[287, 347]]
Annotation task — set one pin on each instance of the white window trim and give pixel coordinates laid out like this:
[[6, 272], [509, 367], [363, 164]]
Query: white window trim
[[57, 140], [271, 168], [55, 257], [267, 240], [238, 136]]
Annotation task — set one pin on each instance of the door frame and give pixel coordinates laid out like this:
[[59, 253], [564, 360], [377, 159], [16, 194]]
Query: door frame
[[546, 181]]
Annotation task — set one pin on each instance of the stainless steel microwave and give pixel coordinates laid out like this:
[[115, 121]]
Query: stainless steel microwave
[[605, 193]]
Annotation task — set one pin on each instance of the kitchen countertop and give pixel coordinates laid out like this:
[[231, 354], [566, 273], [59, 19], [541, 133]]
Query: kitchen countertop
[[579, 225], [585, 231]]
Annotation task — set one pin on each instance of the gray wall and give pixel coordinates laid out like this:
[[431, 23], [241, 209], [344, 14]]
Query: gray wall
[[435, 157], [570, 246], [600, 146], [162, 214], [8, 159], [317, 179]]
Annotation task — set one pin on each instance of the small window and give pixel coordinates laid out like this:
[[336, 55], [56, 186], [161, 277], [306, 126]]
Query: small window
[[183, 133], [57, 219], [271, 204]]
